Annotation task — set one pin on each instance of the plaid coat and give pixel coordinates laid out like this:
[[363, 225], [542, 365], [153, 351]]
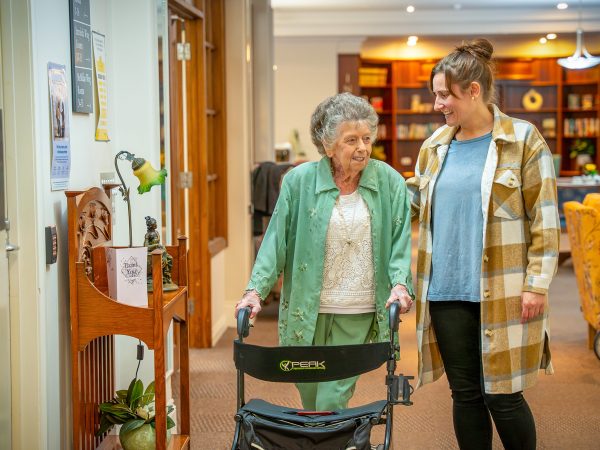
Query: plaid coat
[[521, 234]]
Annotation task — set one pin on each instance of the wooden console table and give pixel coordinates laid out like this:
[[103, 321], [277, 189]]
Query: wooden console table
[[95, 318]]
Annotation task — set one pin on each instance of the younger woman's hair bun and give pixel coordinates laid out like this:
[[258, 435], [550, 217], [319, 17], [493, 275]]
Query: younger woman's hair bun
[[470, 61], [480, 48]]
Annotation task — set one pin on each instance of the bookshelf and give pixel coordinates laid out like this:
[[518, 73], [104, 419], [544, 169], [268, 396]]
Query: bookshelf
[[569, 108]]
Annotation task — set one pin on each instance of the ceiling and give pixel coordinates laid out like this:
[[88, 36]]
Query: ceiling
[[379, 18]]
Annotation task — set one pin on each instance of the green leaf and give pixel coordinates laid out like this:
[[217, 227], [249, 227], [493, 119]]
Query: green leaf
[[115, 420], [146, 399], [148, 396], [130, 390], [135, 394], [107, 407], [105, 425], [170, 409], [122, 394], [170, 423], [130, 426], [150, 389]]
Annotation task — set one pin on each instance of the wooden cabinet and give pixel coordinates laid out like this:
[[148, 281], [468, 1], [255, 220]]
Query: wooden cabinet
[[95, 318], [569, 108]]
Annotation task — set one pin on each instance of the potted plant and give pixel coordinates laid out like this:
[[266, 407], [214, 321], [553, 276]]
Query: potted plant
[[581, 151], [134, 410]]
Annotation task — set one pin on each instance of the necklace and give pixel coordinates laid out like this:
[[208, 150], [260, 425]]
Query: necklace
[[347, 231]]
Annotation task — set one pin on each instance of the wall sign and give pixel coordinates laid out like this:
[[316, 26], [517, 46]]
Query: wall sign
[[81, 56], [100, 65], [59, 117]]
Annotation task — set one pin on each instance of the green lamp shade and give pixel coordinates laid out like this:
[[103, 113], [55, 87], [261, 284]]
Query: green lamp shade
[[149, 176]]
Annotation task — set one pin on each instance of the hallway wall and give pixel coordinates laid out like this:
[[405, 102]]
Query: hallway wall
[[306, 74], [231, 267], [132, 81]]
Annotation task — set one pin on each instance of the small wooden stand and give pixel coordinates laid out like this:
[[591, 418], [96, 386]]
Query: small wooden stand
[[95, 318]]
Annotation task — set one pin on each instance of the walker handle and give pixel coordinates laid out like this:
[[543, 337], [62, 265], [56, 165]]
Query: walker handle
[[394, 316], [243, 322]]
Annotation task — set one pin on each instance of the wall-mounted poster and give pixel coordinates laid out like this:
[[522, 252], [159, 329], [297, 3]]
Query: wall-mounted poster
[[81, 56], [59, 117], [100, 66]]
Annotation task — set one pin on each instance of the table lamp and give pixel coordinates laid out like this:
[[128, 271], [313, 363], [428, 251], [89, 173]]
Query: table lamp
[[144, 171]]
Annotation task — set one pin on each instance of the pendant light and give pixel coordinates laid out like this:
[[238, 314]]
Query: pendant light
[[581, 59]]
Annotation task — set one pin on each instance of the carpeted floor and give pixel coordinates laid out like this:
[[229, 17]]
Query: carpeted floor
[[566, 405]]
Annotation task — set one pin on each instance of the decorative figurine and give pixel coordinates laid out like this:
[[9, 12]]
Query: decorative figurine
[[152, 242]]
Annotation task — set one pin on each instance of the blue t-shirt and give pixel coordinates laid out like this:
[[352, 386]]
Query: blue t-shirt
[[457, 222]]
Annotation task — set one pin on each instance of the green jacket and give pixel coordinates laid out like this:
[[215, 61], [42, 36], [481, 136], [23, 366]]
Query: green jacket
[[294, 243]]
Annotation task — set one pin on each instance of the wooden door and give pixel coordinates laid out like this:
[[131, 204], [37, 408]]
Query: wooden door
[[190, 202]]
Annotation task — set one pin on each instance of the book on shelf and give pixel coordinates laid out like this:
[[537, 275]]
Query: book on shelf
[[549, 127], [581, 127], [377, 103], [417, 130], [587, 101], [372, 76], [574, 101]]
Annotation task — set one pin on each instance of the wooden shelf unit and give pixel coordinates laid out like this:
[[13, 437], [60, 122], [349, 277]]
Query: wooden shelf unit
[[95, 318], [515, 76]]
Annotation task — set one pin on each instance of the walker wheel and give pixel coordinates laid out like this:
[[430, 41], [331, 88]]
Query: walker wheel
[[597, 345]]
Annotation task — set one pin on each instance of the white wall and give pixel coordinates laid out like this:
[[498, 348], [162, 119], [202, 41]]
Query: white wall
[[134, 43], [132, 72], [231, 268], [306, 74], [262, 76]]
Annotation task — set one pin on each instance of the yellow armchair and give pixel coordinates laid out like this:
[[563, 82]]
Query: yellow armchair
[[583, 227]]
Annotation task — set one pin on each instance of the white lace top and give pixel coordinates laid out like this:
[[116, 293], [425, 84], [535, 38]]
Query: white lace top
[[348, 282]]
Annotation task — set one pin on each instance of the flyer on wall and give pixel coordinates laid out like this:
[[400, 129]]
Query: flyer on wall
[[59, 115], [100, 66]]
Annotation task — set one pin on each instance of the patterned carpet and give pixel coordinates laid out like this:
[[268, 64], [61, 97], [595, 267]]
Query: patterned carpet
[[566, 405]]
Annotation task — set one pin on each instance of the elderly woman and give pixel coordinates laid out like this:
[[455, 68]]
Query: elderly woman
[[340, 233]]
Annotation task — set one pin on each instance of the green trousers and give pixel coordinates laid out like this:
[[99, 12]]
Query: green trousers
[[337, 329]]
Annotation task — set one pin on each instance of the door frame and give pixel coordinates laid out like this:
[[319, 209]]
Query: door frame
[[28, 394], [199, 259]]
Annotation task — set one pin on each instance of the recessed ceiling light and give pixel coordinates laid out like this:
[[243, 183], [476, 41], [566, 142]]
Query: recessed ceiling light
[[412, 40], [551, 36], [543, 40], [410, 8], [562, 5]]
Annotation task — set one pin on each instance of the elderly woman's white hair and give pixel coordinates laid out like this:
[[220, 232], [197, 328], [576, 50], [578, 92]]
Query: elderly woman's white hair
[[336, 110]]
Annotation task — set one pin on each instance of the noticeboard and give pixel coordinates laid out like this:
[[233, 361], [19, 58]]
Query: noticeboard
[[81, 56]]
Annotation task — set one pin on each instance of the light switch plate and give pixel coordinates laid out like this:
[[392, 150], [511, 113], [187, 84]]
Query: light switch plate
[[107, 178]]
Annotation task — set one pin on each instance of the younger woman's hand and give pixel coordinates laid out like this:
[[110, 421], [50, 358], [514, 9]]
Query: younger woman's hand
[[532, 305]]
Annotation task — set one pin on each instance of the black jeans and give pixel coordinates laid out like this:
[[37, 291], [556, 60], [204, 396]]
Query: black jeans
[[456, 325]]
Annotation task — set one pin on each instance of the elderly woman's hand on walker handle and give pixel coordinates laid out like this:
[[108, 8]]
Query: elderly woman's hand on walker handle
[[400, 294], [252, 300]]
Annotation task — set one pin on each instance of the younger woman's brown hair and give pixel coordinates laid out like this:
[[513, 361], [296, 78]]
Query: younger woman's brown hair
[[467, 63]]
